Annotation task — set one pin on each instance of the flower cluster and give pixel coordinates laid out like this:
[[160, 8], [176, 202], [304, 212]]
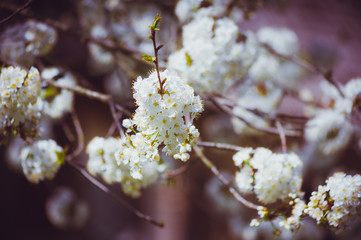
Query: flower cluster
[[126, 23], [212, 58], [330, 129], [293, 221], [262, 97], [41, 160], [166, 115], [270, 176], [57, 102], [268, 66], [131, 161], [19, 91], [186, 10], [23, 42], [332, 98], [338, 202]]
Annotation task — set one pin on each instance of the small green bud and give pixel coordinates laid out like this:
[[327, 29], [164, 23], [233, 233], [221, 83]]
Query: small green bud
[[49, 92], [189, 59], [60, 157], [154, 26], [148, 58]]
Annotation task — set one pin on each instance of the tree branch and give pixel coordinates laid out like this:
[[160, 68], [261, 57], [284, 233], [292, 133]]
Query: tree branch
[[223, 180], [20, 9]]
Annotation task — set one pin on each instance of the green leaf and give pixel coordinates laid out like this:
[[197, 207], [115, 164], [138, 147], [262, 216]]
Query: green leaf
[[189, 59], [148, 58]]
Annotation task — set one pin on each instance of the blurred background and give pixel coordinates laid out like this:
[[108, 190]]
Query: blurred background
[[329, 34]]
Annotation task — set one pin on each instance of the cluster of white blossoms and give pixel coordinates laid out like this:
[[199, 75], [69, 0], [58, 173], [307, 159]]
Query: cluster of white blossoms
[[167, 116], [331, 97], [23, 42], [131, 161], [186, 10], [267, 74], [293, 221], [57, 102], [330, 129], [212, 58], [268, 66], [65, 211], [262, 97], [270, 176], [41, 160], [337, 203], [125, 23], [19, 91], [164, 117]]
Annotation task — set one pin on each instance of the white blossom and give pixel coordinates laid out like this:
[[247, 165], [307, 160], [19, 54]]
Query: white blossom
[[41, 160], [133, 162], [270, 176], [23, 42], [329, 130], [162, 115], [61, 102], [212, 59], [262, 97], [337, 203], [293, 221], [19, 91]]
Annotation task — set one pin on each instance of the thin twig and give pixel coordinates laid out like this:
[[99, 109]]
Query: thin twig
[[111, 130], [20, 9], [83, 91], [223, 180], [115, 117], [250, 124], [153, 30], [282, 136], [80, 135], [123, 110], [105, 189], [93, 94], [220, 146], [94, 181]]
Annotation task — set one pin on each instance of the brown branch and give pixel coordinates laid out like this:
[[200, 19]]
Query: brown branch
[[111, 130], [220, 146], [19, 10], [93, 94], [115, 117], [83, 91], [282, 136], [153, 30], [80, 135], [223, 180], [107, 44], [123, 110], [97, 183]]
